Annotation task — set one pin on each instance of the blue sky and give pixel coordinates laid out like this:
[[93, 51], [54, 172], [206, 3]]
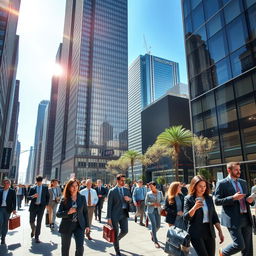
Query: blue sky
[[41, 30]]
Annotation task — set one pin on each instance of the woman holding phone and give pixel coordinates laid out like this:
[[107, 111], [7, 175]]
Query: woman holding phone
[[201, 215], [73, 211]]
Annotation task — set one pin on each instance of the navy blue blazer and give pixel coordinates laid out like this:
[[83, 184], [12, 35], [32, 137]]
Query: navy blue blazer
[[44, 197], [195, 222], [172, 209], [103, 191], [230, 215], [10, 200], [115, 202], [82, 214]]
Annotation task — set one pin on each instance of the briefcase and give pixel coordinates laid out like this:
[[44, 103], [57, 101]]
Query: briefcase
[[109, 233], [14, 222]]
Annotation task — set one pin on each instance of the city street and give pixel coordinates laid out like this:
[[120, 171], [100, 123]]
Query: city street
[[136, 243]]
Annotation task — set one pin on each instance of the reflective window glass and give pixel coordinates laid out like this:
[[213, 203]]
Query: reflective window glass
[[249, 3], [237, 33], [252, 22], [232, 10], [243, 86], [217, 46], [195, 3], [197, 17], [241, 60], [215, 25], [188, 26], [210, 8], [198, 125], [186, 7], [224, 95], [221, 72], [196, 107]]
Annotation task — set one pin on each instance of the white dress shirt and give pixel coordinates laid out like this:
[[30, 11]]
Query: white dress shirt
[[94, 196], [5, 193]]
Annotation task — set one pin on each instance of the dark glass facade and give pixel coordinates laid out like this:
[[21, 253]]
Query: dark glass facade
[[221, 55], [91, 121], [174, 111]]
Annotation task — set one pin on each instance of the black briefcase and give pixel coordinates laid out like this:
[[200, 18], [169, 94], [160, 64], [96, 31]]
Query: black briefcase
[[177, 242]]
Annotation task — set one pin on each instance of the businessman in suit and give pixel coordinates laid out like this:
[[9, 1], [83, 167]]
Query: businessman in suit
[[39, 197], [117, 212], [232, 193], [7, 206], [102, 193]]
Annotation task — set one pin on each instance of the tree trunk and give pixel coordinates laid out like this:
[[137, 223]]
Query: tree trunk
[[177, 167], [132, 172]]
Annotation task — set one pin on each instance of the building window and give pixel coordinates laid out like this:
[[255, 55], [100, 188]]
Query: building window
[[237, 33], [232, 10], [252, 22], [221, 72], [215, 24], [218, 47], [210, 8], [198, 17], [241, 60]]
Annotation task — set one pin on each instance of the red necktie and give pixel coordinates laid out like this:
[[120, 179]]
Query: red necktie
[[243, 208]]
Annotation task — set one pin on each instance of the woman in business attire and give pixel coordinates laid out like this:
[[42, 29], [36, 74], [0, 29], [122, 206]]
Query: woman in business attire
[[174, 203], [201, 215], [154, 199], [73, 211]]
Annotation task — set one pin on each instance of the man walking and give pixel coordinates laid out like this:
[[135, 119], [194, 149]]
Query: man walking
[[39, 197], [232, 193], [20, 194], [102, 193], [138, 198], [7, 206], [91, 200], [117, 213]]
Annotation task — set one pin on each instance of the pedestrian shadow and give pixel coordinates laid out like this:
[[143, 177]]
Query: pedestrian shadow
[[44, 249], [4, 251], [130, 253], [13, 247], [11, 233], [98, 245]]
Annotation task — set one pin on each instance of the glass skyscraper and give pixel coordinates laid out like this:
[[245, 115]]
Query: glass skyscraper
[[149, 78], [220, 38], [91, 117]]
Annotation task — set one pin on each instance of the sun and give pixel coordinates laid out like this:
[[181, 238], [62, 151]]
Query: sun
[[57, 70]]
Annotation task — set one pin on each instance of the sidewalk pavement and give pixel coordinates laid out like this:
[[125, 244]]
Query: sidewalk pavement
[[136, 243]]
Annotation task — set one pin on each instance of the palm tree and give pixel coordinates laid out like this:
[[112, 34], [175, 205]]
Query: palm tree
[[175, 137], [133, 157]]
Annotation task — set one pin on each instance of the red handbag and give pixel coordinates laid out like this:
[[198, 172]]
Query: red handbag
[[163, 213], [109, 233], [14, 221]]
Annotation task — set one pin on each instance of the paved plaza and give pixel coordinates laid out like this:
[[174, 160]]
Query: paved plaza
[[136, 243]]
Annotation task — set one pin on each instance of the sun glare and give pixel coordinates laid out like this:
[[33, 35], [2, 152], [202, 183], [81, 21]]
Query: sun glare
[[57, 70]]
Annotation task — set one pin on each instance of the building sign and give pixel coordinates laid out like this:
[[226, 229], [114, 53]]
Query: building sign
[[109, 152], [6, 158]]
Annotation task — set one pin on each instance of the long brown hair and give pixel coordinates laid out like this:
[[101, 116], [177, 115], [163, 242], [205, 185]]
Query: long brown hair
[[195, 181], [172, 190], [66, 192]]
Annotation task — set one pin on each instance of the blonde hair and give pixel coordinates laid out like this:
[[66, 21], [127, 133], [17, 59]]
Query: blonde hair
[[172, 191]]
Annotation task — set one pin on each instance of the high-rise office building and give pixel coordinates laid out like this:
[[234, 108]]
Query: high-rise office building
[[39, 131], [91, 117], [149, 78], [220, 41], [9, 43], [29, 170], [46, 163]]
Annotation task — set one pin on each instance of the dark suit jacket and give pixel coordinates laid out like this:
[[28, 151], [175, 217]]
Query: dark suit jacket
[[44, 198], [195, 222], [10, 200], [103, 191], [82, 214], [115, 202], [230, 215], [172, 209]]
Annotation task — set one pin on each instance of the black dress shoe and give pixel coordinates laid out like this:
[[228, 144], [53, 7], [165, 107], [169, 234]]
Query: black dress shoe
[[37, 241], [135, 219], [32, 234], [2, 241]]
